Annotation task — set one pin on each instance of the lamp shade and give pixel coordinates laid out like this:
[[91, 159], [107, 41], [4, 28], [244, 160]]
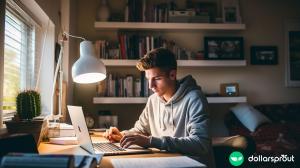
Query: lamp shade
[[88, 68]]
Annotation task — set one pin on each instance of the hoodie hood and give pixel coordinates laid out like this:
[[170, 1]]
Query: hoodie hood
[[185, 85]]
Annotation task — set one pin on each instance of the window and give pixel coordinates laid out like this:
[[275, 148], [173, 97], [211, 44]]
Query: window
[[19, 56], [27, 39]]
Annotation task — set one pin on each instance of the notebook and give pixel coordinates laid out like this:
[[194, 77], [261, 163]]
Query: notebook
[[84, 139]]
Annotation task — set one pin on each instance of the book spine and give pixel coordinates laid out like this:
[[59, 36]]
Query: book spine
[[129, 81], [137, 87]]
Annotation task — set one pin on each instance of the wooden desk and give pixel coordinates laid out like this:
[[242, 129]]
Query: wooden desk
[[46, 148]]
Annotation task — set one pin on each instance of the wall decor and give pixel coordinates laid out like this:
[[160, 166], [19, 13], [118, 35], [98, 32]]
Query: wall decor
[[264, 55], [229, 89], [292, 52], [224, 48]]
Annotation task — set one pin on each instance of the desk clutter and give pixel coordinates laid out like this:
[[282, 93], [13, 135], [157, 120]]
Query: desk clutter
[[56, 130], [33, 160], [61, 133]]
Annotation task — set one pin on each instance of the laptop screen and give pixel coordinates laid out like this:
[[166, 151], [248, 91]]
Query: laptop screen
[[81, 130]]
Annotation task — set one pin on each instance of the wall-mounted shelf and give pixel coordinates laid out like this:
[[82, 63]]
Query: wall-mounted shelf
[[181, 63], [143, 100], [240, 99], [168, 26]]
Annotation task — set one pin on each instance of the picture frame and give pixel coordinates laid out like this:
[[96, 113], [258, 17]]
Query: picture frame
[[229, 89], [231, 11], [224, 48], [264, 55], [292, 52]]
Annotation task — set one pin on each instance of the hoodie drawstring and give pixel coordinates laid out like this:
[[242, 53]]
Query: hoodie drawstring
[[160, 117], [172, 116]]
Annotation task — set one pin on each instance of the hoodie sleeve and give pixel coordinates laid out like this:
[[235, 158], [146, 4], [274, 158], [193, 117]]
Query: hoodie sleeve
[[198, 141], [142, 125]]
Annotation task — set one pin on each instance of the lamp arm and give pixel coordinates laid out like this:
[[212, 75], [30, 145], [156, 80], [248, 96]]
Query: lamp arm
[[59, 67], [61, 76], [69, 35]]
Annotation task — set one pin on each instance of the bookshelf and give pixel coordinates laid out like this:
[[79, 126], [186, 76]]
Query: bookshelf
[[168, 26], [143, 100], [157, 26]]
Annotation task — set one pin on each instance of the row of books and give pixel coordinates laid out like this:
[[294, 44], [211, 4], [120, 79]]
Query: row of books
[[136, 46], [123, 86], [144, 11]]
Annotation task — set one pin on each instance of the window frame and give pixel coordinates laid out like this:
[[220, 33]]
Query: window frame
[[46, 52]]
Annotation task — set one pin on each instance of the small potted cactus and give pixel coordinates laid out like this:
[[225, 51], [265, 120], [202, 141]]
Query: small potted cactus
[[28, 106]]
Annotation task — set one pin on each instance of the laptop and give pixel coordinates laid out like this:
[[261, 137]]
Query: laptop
[[105, 148]]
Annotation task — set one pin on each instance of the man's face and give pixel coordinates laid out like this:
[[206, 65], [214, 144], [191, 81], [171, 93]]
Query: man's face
[[160, 81]]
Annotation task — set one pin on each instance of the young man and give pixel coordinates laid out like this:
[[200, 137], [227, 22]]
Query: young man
[[175, 118]]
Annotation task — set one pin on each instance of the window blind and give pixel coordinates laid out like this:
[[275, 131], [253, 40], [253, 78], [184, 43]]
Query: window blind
[[20, 56]]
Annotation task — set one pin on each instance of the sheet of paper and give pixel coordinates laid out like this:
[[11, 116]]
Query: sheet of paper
[[157, 162]]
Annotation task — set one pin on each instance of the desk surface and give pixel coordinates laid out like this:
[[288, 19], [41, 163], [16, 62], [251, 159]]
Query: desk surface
[[46, 148]]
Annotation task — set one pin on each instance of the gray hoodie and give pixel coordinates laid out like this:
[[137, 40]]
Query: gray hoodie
[[181, 124]]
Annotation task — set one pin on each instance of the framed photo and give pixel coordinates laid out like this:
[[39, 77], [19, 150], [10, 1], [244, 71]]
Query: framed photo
[[292, 52], [229, 89], [224, 48], [264, 55], [231, 11]]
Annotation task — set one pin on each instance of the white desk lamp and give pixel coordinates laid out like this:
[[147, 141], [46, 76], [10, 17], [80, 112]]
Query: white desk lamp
[[87, 69]]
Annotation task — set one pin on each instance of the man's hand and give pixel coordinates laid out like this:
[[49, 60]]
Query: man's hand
[[113, 134], [137, 139]]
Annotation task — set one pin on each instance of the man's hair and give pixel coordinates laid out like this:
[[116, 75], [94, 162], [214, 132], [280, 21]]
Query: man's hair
[[158, 58]]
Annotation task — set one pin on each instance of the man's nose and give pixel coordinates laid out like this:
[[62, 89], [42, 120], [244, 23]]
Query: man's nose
[[151, 84]]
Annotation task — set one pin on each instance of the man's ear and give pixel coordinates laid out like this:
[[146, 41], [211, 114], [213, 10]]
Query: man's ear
[[172, 74]]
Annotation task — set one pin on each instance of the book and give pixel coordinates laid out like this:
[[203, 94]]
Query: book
[[137, 87], [64, 140], [61, 130], [23, 160], [129, 85], [32, 160]]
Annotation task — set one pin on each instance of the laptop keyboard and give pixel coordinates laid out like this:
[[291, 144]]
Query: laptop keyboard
[[107, 147]]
